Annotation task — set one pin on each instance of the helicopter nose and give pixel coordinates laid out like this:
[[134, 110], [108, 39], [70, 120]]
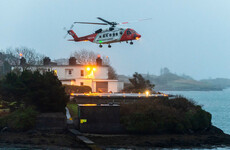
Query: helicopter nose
[[138, 36]]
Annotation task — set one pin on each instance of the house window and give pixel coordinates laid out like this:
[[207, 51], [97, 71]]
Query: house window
[[82, 73], [70, 71], [81, 83]]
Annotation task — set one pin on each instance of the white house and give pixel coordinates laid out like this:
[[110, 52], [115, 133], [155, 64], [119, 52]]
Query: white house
[[95, 76]]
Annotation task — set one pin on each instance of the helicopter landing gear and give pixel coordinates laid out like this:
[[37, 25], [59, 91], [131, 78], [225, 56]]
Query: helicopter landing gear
[[100, 46], [109, 46], [131, 43]]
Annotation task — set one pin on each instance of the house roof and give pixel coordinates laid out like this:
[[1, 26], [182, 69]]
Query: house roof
[[77, 65]]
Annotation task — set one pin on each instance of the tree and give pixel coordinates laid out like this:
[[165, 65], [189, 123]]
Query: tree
[[139, 84], [12, 56], [44, 91], [89, 58], [164, 71], [85, 57]]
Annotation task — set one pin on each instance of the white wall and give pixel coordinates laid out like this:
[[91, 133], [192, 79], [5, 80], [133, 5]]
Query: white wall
[[120, 86], [112, 86], [101, 72]]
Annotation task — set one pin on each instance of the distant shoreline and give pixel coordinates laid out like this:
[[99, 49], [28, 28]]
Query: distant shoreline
[[190, 90]]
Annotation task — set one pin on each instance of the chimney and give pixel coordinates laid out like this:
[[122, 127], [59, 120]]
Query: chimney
[[99, 60], [72, 61], [22, 61], [46, 61]]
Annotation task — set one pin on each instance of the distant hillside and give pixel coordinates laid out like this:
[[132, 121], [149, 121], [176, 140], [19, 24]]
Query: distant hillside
[[168, 81], [123, 78], [172, 81], [222, 83]]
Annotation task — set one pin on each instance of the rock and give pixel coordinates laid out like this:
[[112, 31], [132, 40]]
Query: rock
[[215, 130]]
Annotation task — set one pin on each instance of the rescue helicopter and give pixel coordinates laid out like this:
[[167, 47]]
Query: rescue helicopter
[[113, 34]]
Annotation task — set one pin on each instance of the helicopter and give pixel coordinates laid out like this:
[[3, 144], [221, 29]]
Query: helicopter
[[113, 34]]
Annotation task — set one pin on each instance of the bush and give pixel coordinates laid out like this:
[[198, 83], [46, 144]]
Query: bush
[[164, 116], [77, 89], [44, 91], [138, 84], [20, 120], [73, 109]]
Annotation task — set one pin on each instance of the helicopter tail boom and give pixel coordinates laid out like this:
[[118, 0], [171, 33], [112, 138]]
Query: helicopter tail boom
[[73, 34]]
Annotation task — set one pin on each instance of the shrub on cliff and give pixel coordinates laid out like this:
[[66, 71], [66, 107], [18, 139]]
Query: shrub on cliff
[[44, 91], [77, 89], [20, 120], [164, 116]]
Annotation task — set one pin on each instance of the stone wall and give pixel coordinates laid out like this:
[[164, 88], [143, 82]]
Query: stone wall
[[51, 121]]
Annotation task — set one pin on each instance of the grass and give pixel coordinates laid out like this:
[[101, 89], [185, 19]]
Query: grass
[[73, 109], [5, 110], [19, 120]]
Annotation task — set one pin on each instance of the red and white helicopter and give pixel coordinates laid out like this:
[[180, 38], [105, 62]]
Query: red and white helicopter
[[110, 35]]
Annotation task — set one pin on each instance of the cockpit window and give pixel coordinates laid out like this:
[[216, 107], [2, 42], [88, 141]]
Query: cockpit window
[[133, 31], [128, 32]]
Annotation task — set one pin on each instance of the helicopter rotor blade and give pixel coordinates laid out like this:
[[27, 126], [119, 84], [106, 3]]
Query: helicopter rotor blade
[[91, 23], [110, 23], [71, 27], [65, 35], [134, 21]]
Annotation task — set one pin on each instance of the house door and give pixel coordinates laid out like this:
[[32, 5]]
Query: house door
[[102, 87]]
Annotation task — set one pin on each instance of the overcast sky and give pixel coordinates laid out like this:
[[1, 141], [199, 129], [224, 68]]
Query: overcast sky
[[187, 36]]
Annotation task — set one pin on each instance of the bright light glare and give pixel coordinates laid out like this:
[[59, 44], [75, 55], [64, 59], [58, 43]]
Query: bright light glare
[[147, 93]]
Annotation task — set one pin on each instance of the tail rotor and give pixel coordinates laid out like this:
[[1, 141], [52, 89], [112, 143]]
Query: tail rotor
[[71, 27]]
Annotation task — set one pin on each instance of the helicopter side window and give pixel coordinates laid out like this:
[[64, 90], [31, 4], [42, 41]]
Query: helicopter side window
[[110, 35], [121, 33], [103, 35], [129, 32], [107, 35], [116, 34], [100, 36]]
